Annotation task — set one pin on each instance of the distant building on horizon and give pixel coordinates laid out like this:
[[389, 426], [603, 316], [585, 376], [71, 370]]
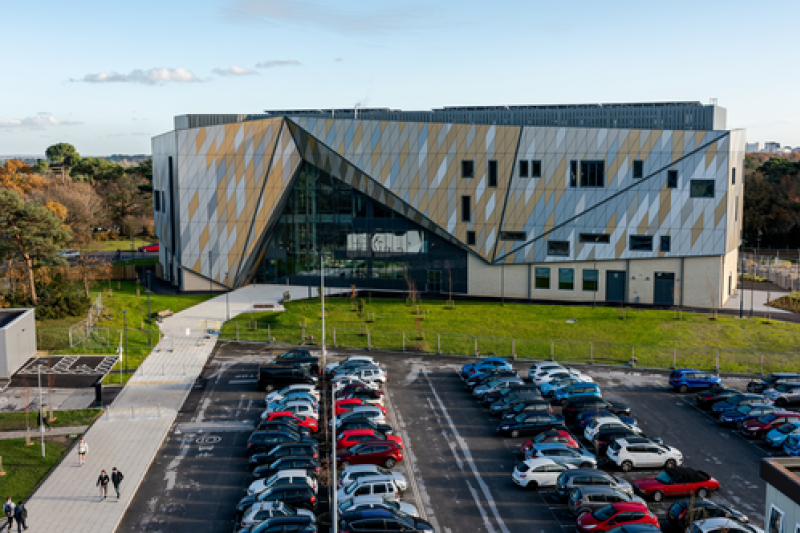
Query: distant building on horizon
[[772, 146], [753, 147]]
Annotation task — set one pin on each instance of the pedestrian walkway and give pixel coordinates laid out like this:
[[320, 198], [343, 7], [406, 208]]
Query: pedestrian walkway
[[133, 428], [756, 300], [35, 434]]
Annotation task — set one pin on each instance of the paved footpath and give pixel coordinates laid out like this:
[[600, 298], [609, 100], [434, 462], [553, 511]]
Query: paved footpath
[[133, 428], [36, 435]]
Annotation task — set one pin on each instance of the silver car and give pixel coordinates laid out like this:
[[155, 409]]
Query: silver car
[[590, 498], [563, 454], [495, 384], [583, 477]]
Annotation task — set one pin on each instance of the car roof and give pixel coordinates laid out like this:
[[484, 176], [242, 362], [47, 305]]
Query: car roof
[[636, 528], [587, 472], [697, 502], [686, 474], [377, 441], [552, 446], [370, 513], [629, 506], [359, 431], [597, 489], [716, 523], [539, 461], [289, 486], [292, 472]]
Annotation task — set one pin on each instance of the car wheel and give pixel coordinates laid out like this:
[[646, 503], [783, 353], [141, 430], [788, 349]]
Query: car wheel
[[671, 463], [587, 464], [627, 466], [515, 433], [389, 463], [781, 402], [532, 485], [344, 464], [269, 387], [683, 389], [702, 493], [658, 496]]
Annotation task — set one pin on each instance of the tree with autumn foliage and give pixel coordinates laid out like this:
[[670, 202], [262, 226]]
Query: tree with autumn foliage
[[17, 176]]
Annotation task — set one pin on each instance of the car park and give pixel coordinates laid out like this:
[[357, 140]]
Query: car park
[[684, 379], [771, 381], [639, 453], [383, 486], [538, 472], [706, 399], [588, 499], [571, 407], [290, 462], [561, 436], [571, 479], [529, 424], [677, 481], [791, 445], [615, 514], [352, 473], [383, 453], [784, 394], [561, 453], [722, 525], [745, 412], [683, 513], [761, 426], [580, 390], [259, 512], [735, 401], [776, 436], [282, 477], [379, 521]]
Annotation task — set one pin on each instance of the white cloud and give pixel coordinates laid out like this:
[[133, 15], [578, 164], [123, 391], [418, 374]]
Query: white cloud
[[233, 70], [39, 122], [154, 76], [279, 63]]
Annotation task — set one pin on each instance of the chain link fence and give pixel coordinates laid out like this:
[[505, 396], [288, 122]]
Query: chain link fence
[[784, 273], [97, 341]]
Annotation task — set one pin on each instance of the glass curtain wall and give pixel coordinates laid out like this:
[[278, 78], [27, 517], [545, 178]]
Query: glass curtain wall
[[363, 242]]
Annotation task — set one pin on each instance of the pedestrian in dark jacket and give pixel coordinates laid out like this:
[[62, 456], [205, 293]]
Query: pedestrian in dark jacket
[[43, 420], [21, 515], [102, 482], [8, 510], [116, 479]]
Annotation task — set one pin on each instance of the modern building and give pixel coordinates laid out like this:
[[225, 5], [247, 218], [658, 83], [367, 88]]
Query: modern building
[[772, 146], [752, 148], [17, 339], [636, 203], [782, 477]]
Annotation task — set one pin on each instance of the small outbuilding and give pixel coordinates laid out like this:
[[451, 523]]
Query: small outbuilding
[[17, 339]]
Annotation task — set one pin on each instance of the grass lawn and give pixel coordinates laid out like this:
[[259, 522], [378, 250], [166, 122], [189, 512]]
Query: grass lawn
[[656, 332], [77, 417], [122, 244], [24, 465]]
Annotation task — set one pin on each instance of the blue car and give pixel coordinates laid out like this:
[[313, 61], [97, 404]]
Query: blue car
[[743, 412], [683, 379], [791, 446], [735, 401], [494, 362], [585, 418], [577, 389], [777, 436]]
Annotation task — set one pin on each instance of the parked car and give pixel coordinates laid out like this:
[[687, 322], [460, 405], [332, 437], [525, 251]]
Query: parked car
[[584, 418], [508, 401], [376, 502], [706, 399], [260, 512], [784, 394], [70, 253], [351, 473], [282, 425], [304, 449], [547, 374], [282, 477], [340, 382], [383, 453], [482, 379], [351, 437], [538, 472], [370, 397], [615, 514], [631, 528], [301, 420], [637, 454], [295, 524], [776, 436], [494, 362], [735, 401], [307, 388], [577, 390], [331, 367], [683, 513], [791, 445], [493, 385], [771, 381], [349, 388], [377, 417], [290, 462], [745, 412], [380, 521], [264, 441], [364, 423], [605, 438], [588, 499], [298, 495], [550, 388], [342, 406], [271, 377], [761, 426], [584, 477], [372, 374], [299, 357], [541, 366], [722, 525], [604, 423], [344, 367], [683, 379], [571, 407], [293, 396], [677, 481], [383, 486], [561, 453], [529, 424], [543, 379], [529, 406], [561, 436], [512, 389], [152, 247]]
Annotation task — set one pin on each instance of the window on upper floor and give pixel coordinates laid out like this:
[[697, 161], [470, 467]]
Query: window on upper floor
[[640, 243], [701, 189], [523, 169], [638, 169], [467, 168], [536, 168], [593, 174], [492, 173], [558, 248]]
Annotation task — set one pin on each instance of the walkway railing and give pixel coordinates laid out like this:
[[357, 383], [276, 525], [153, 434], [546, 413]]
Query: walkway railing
[[782, 272]]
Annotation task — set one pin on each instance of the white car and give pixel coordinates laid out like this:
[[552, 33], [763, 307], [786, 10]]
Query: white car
[[261, 511], [70, 253], [376, 502], [540, 366], [548, 375], [538, 472], [721, 525], [340, 382], [295, 387], [642, 453], [292, 475], [354, 472], [604, 422], [331, 367], [294, 397], [383, 486], [298, 408], [370, 373]]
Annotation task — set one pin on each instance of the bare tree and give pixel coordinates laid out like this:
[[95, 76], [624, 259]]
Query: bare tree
[[451, 304]]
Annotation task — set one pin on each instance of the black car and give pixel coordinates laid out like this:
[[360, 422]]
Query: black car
[[506, 402], [684, 512], [706, 399], [572, 406], [291, 462], [281, 524], [529, 424], [299, 357], [527, 406], [283, 425], [264, 441], [365, 423], [284, 450], [770, 381], [299, 495], [380, 521], [511, 389], [273, 376], [480, 379]]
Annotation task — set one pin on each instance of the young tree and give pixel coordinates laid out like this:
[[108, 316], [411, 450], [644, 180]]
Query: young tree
[[31, 233]]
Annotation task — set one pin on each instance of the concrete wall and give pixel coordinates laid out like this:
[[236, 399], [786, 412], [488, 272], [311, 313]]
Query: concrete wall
[[17, 341], [192, 282], [791, 511]]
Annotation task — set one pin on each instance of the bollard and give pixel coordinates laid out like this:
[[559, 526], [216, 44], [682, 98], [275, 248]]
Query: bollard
[[438, 344], [476, 346], [237, 332], [633, 356], [133, 414], [674, 358], [334, 337], [591, 353], [404, 341], [552, 351], [717, 361], [369, 342]]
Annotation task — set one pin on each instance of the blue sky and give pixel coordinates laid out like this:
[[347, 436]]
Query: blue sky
[[107, 76]]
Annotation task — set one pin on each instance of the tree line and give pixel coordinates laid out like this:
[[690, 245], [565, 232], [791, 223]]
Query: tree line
[[771, 210]]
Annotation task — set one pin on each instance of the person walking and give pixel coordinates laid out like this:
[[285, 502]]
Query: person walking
[[8, 509], [102, 482], [21, 515], [83, 449], [43, 420], [116, 479]]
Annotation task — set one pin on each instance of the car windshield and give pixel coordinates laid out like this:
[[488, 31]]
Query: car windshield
[[523, 467], [492, 382], [766, 419], [663, 477], [350, 488], [787, 428], [744, 409], [289, 509], [356, 448], [345, 505], [604, 513], [521, 417]]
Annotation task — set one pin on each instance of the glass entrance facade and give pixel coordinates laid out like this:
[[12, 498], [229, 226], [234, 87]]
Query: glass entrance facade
[[363, 242]]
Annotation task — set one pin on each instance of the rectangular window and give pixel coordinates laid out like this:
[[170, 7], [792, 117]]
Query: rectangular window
[[672, 179], [470, 238], [536, 168], [604, 238], [466, 208], [573, 173], [665, 244], [559, 248], [736, 210], [590, 278], [640, 243], [492, 173], [638, 169], [566, 279], [733, 176], [467, 168], [157, 200], [701, 189], [542, 278], [513, 235], [523, 169], [593, 174]]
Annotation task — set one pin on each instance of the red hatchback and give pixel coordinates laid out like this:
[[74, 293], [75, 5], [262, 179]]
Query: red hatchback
[[559, 436], [342, 406], [375, 452], [304, 421], [758, 427], [677, 481], [616, 514], [351, 437], [149, 247]]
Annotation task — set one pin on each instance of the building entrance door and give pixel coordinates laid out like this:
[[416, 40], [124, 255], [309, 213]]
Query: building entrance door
[[615, 286], [434, 281], [664, 289]]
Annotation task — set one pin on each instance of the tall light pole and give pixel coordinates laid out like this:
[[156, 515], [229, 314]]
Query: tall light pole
[[334, 481], [149, 316], [41, 406], [741, 292], [210, 275], [227, 291], [125, 339], [322, 299]]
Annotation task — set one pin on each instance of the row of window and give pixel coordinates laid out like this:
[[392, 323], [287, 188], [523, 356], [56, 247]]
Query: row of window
[[636, 243], [566, 279]]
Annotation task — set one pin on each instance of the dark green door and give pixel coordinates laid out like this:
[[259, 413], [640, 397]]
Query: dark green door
[[615, 286], [664, 290]]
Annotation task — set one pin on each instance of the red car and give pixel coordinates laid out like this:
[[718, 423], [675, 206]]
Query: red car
[[351, 437], [342, 406], [305, 421], [677, 481], [149, 247], [347, 389], [375, 452], [560, 436], [758, 427], [615, 514]]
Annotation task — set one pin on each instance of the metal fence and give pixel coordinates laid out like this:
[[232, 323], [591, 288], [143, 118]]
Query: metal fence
[[572, 351], [97, 341], [782, 272]]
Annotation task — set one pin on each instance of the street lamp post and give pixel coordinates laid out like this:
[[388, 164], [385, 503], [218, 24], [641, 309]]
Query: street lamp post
[[210, 275], [322, 299], [227, 307], [149, 316], [334, 483], [41, 406], [125, 339], [741, 292]]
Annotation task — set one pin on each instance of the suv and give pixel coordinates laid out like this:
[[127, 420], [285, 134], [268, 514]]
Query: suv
[[300, 495], [583, 477], [509, 390], [571, 407], [383, 453], [305, 449], [785, 394], [381, 520], [684, 512], [301, 358], [581, 390], [271, 377], [383, 486], [527, 406], [493, 362], [683, 379], [355, 472], [507, 401], [264, 511], [772, 380], [585, 499], [291, 462], [281, 524], [638, 453]]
